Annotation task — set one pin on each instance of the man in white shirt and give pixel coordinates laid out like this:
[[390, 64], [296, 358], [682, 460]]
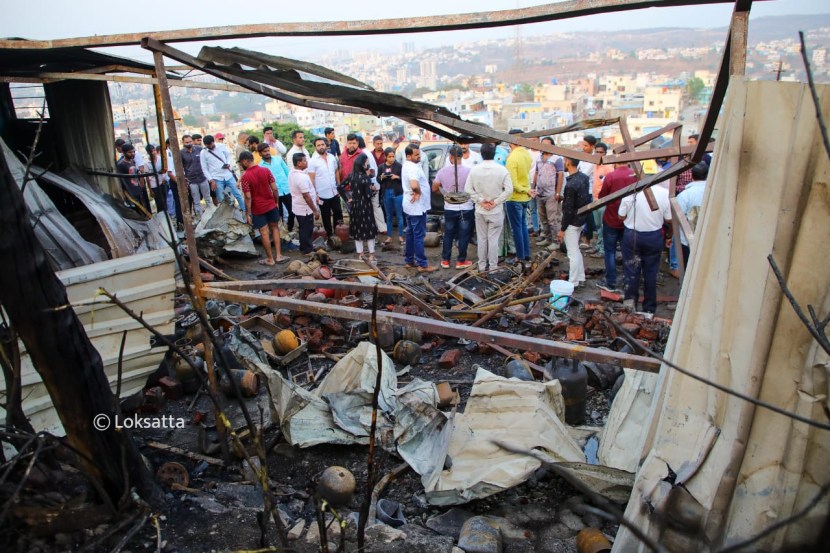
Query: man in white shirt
[[416, 203], [469, 158], [587, 146], [643, 244], [400, 157], [303, 201], [489, 186], [690, 201], [298, 147], [324, 176], [216, 165], [269, 138], [157, 178]]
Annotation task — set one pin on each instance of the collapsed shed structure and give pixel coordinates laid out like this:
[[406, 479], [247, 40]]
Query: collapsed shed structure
[[729, 479]]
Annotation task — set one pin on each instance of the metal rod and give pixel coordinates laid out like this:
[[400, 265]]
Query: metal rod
[[440, 328]]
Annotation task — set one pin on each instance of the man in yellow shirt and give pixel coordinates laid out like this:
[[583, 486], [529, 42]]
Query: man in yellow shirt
[[518, 166], [253, 147]]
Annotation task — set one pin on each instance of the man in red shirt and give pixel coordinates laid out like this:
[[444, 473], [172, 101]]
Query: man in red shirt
[[612, 226], [349, 155], [262, 205]]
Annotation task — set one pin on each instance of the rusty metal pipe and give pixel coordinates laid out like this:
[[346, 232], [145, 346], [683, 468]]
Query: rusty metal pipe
[[440, 328]]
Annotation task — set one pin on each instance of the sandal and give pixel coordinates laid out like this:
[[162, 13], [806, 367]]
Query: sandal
[[371, 258], [282, 259], [265, 262], [387, 241]]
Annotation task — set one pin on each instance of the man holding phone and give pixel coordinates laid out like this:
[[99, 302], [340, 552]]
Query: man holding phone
[[216, 165]]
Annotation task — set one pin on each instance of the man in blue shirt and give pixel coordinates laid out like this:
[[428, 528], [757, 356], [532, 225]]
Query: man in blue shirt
[[279, 169], [690, 201]]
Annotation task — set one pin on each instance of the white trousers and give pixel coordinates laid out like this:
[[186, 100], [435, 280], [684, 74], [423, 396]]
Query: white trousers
[[380, 222], [576, 265], [488, 233]]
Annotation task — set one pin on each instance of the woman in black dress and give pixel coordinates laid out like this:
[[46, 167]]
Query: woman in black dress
[[361, 216]]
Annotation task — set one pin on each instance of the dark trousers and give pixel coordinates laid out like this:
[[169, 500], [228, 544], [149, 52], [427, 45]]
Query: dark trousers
[[457, 225], [641, 256], [686, 252], [611, 237], [332, 214], [176, 200], [306, 224], [285, 202], [160, 195]]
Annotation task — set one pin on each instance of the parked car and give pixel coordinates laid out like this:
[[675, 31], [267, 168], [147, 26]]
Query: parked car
[[437, 156]]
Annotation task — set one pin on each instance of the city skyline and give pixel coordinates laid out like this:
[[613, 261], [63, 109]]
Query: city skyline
[[63, 20]]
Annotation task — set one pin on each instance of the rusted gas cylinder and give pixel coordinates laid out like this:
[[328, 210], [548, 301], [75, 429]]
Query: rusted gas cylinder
[[574, 380], [407, 352], [342, 232]]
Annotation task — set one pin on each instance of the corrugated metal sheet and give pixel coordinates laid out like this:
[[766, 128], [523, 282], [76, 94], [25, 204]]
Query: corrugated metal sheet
[[146, 283], [62, 242]]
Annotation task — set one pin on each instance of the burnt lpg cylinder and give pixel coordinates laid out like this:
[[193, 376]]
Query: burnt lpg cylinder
[[574, 380]]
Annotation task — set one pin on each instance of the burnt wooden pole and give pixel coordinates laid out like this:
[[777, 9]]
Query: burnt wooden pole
[[190, 236], [70, 367]]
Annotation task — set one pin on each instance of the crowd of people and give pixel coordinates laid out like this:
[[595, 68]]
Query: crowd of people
[[498, 198]]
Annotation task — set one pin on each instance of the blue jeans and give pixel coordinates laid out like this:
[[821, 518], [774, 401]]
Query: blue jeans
[[534, 215], [393, 204], [416, 229], [457, 225], [231, 185], [611, 237], [517, 216], [641, 256], [673, 264]]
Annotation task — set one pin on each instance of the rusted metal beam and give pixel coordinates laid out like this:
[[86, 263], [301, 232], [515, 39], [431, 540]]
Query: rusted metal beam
[[118, 67], [533, 277], [638, 167], [641, 155], [248, 285], [678, 214], [718, 94], [301, 284], [49, 77], [167, 111], [675, 224], [454, 22], [637, 186], [172, 53], [425, 111], [648, 137], [739, 32], [440, 328]]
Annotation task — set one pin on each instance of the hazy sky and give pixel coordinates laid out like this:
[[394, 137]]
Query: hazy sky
[[75, 18]]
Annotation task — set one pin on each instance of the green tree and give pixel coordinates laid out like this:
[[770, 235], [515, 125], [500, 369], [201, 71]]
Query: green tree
[[523, 92], [190, 120], [282, 132], [695, 86]]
